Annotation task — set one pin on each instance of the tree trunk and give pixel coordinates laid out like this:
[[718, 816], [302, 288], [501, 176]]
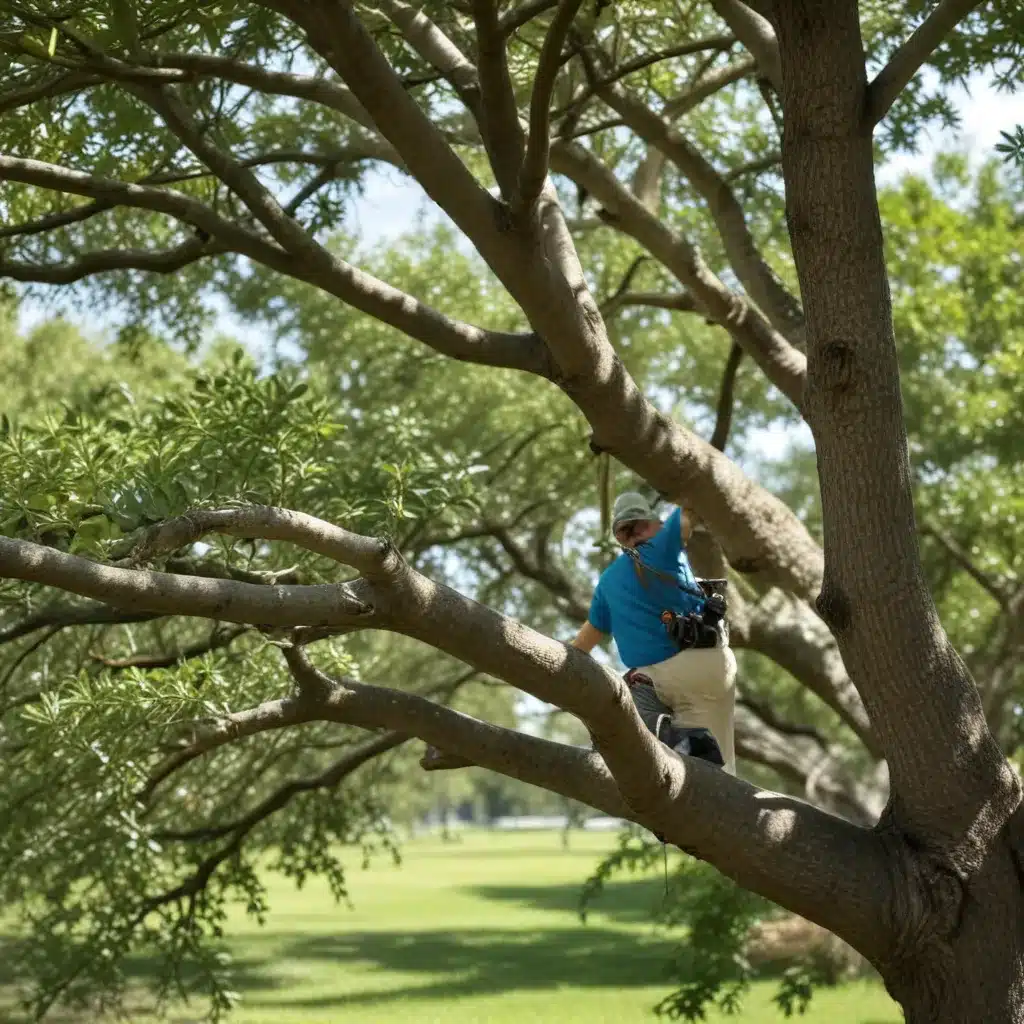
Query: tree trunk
[[964, 960], [955, 952]]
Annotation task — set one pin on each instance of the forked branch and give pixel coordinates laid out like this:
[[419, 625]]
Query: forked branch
[[535, 163]]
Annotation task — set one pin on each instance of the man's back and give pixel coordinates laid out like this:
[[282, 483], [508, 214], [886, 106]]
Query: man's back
[[635, 589]]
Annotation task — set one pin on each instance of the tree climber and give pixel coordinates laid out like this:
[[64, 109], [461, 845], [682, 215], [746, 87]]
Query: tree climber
[[670, 632]]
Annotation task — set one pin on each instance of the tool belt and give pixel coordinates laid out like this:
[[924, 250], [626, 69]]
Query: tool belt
[[703, 629]]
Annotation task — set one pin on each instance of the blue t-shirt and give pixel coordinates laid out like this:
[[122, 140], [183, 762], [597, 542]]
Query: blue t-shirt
[[629, 608]]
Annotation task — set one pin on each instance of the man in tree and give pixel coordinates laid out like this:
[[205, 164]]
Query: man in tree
[[682, 673]]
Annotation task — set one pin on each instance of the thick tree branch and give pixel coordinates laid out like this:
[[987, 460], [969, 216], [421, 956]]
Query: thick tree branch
[[71, 82], [371, 557], [335, 32], [333, 275], [953, 789], [783, 364], [756, 34], [908, 59], [774, 845], [748, 834], [500, 126], [535, 164], [166, 594], [541, 270], [359, 149], [146, 197], [437, 49], [757, 277]]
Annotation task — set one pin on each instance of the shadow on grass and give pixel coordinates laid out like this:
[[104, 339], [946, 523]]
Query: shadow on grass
[[516, 853], [269, 967], [471, 962], [633, 901]]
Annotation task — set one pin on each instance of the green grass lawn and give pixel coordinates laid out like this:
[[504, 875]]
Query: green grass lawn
[[483, 930]]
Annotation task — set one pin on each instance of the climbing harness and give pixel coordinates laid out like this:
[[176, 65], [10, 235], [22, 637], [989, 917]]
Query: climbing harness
[[704, 628]]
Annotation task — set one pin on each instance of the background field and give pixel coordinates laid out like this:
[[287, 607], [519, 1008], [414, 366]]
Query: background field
[[482, 930]]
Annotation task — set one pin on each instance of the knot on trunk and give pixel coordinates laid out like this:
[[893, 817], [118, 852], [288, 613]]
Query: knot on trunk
[[924, 919], [834, 607], [832, 373]]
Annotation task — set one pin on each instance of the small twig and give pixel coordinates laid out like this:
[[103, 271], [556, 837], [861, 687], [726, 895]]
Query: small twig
[[219, 639], [723, 416], [26, 653], [612, 302], [995, 588], [274, 714], [331, 777]]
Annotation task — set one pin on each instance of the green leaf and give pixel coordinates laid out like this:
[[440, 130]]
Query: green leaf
[[94, 530], [51, 48]]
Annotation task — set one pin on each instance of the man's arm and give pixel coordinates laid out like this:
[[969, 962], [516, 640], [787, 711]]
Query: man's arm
[[588, 638]]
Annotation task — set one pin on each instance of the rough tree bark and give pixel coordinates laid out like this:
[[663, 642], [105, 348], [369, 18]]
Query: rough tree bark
[[957, 951]]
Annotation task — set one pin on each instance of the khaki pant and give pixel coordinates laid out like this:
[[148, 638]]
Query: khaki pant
[[699, 685]]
